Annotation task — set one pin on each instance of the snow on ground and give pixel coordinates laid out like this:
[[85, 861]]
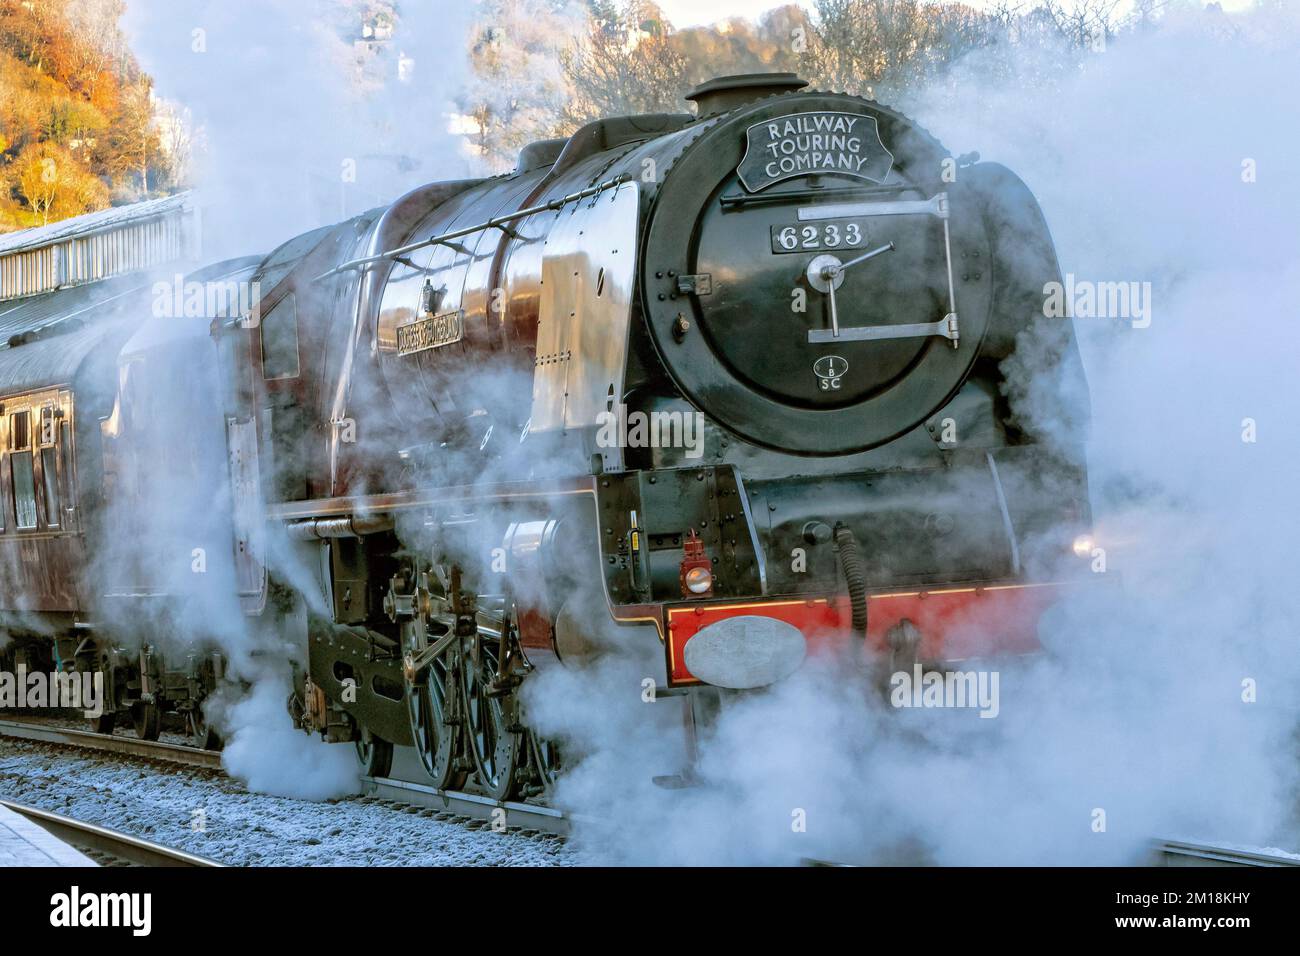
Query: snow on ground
[[216, 817]]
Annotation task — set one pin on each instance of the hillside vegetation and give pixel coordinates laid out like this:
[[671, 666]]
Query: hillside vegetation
[[77, 128], [80, 127]]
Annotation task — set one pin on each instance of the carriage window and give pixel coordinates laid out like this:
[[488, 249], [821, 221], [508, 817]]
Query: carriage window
[[20, 464], [280, 340], [20, 467], [50, 485], [20, 431]]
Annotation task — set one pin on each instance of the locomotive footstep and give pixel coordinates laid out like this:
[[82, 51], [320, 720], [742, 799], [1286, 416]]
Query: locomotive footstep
[[676, 781]]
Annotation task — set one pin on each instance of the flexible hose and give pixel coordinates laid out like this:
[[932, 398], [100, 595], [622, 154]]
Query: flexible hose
[[855, 576]]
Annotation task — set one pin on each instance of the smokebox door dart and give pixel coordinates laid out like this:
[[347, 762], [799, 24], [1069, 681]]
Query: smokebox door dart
[[826, 273]]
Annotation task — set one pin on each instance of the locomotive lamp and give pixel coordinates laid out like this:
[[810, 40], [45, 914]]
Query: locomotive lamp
[[1083, 545], [696, 571]]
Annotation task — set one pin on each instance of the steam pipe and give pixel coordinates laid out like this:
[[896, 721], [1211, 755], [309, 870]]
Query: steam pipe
[[353, 526], [846, 545]]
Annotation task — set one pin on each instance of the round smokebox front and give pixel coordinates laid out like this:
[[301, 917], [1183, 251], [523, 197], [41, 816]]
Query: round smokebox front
[[797, 274]]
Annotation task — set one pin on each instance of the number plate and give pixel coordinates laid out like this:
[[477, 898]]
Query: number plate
[[430, 332], [825, 236]]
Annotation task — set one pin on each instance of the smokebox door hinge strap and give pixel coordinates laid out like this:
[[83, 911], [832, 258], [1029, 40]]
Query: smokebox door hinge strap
[[700, 283]]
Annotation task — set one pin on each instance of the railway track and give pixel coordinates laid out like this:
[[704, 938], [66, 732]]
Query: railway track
[[525, 818], [105, 845], [1169, 853], [112, 743], [1180, 853]]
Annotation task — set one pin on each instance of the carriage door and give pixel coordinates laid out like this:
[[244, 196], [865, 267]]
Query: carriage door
[[58, 481], [245, 479], [49, 421], [245, 491]]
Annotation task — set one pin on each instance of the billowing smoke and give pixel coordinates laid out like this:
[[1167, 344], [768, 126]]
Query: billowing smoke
[[271, 755], [304, 112], [1165, 703]]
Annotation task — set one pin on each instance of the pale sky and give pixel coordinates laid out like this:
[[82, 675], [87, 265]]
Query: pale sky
[[688, 13]]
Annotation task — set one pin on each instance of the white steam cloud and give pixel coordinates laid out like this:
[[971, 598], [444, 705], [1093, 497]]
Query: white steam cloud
[[1167, 696], [272, 756], [301, 119], [1166, 160], [304, 114]]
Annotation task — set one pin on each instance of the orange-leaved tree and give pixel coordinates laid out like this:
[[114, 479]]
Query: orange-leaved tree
[[54, 185]]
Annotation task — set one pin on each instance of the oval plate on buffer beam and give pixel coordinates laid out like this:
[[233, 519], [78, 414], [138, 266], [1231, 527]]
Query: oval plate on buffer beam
[[745, 652]]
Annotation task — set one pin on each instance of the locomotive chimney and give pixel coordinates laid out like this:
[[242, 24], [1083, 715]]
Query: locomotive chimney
[[724, 93]]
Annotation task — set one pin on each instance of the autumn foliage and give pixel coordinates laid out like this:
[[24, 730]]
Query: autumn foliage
[[542, 68], [76, 116]]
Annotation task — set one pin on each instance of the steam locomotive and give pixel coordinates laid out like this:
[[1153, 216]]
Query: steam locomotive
[[733, 386]]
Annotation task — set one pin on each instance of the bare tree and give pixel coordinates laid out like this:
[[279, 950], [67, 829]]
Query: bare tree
[[1085, 23], [517, 89], [626, 63], [134, 137], [175, 141], [102, 51], [881, 47]]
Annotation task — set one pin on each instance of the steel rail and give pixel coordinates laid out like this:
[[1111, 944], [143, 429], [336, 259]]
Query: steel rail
[[502, 814], [1211, 854], [511, 814], [515, 815], [1164, 853], [90, 836], [111, 743]]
